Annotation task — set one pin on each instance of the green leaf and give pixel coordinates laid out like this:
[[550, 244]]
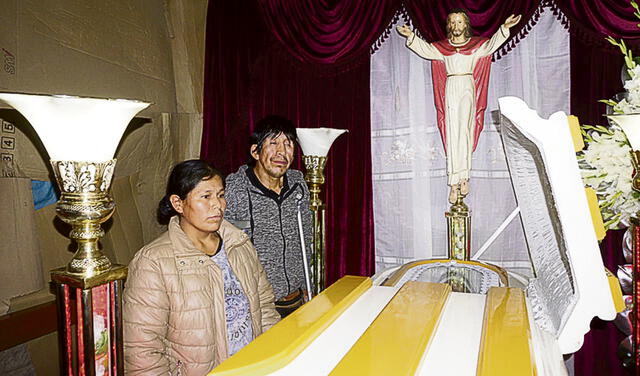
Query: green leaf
[[612, 223], [608, 102], [600, 129]]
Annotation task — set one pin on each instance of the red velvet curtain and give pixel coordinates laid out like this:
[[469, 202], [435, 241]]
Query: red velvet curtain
[[327, 32], [595, 19], [595, 63]]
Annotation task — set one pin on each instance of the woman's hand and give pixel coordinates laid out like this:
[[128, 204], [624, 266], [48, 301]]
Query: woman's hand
[[404, 30], [511, 21]]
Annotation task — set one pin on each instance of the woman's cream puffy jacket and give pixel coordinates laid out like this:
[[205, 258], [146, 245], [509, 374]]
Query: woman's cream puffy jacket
[[174, 319]]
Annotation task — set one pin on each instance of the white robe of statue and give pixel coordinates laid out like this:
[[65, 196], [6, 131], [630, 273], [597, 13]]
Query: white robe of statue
[[459, 99]]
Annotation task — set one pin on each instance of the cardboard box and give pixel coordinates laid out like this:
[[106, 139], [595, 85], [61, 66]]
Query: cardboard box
[[21, 266]]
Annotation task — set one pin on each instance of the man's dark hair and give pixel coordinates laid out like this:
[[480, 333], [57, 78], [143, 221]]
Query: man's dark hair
[[183, 179], [268, 127]]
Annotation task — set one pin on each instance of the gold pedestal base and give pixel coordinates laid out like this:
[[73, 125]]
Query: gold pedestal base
[[459, 230]]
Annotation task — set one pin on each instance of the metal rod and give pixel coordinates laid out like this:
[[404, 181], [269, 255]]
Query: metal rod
[[87, 333], [113, 354], [304, 254], [79, 336], [496, 233], [322, 276], [119, 338], [64, 327]]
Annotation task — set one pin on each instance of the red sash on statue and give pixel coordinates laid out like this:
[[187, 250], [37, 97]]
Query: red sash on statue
[[480, 78]]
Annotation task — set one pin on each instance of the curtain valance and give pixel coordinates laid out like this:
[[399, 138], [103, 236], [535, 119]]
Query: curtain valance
[[593, 20], [340, 33]]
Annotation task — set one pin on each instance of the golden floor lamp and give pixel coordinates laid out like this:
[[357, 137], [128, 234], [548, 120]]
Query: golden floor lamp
[[315, 144], [81, 136]]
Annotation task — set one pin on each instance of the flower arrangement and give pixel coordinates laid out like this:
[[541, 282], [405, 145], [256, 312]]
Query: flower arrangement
[[606, 167], [605, 163]]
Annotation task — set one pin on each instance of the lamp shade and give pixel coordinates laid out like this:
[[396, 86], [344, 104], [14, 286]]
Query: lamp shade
[[630, 124], [317, 141], [76, 128]]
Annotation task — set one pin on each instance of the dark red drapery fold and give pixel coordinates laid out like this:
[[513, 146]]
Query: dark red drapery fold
[[327, 31], [595, 75], [593, 20]]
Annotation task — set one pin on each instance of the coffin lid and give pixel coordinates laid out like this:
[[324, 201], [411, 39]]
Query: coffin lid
[[569, 286]]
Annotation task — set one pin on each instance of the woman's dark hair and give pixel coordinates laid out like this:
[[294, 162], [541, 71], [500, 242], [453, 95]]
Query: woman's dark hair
[[183, 178], [270, 126]]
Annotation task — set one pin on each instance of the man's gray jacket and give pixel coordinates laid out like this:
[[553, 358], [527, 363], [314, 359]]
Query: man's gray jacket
[[271, 221]]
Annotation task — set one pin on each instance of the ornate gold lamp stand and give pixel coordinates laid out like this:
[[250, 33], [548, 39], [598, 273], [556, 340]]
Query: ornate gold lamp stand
[[315, 143], [630, 124], [314, 177], [81, 136]]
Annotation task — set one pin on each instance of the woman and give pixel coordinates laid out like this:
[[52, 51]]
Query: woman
[[198, 293]]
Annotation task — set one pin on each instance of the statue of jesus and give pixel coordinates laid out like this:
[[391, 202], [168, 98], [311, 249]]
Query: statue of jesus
[[460, 68]]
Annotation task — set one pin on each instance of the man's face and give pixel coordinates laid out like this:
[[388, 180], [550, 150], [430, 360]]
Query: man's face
[[456, 24], [276, 155]]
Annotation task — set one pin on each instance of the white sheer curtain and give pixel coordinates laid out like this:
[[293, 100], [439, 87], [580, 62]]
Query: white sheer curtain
[[409, 171]]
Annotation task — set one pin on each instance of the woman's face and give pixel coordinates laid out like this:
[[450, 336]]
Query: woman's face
[[203, 208]]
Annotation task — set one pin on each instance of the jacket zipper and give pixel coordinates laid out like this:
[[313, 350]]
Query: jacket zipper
[[284, 251]]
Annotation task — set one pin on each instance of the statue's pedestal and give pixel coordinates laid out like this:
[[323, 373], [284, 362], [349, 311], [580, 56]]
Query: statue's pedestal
[[459, 230]]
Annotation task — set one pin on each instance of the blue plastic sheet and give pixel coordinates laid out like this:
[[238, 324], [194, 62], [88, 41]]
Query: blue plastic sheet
[[44, 193]]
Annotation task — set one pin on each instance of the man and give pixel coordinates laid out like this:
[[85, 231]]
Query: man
[[460, 70], [264, 198]]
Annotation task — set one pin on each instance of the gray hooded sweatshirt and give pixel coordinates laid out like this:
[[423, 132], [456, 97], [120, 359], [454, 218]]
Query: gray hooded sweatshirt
[[271, 221]]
